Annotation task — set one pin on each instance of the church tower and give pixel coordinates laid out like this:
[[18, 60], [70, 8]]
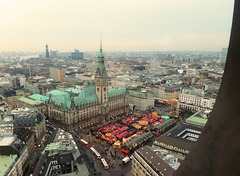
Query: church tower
[[101, 78], [47, 52]]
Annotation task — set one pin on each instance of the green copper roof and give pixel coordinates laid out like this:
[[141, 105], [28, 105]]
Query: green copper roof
[[100, 66], [117, 92], [73, 90], [57, 92], [39, 97], [29, 101], [198, 120], [81, 101], [62, 100], [87, 95], [53, 146], [6, 163]]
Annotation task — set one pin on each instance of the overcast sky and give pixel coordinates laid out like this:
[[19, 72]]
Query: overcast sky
[[127, 25]]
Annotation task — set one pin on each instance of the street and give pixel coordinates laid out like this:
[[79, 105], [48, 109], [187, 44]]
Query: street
[[112, 156]]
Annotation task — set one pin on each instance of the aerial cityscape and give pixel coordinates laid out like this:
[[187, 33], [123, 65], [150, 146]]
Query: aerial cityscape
[[111, 107]]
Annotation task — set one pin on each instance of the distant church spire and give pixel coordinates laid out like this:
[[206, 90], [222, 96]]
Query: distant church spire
[[47, 52]]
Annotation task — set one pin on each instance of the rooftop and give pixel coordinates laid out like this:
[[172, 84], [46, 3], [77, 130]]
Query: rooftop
[[141, 137], [6, 163], [116, 92], [53, 146], [182, 136], [38, 97], [6, 141], [26, 116], [61, 98], [137, 93], [23, 134], [154, 161], [57, 92], [29, 101], [197, 120], [73, 90]]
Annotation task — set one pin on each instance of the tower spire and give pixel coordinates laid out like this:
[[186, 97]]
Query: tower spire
[[100, 42], [47, 52]]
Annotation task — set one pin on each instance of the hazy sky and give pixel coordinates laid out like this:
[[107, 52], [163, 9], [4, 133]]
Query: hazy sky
[[127, 25]]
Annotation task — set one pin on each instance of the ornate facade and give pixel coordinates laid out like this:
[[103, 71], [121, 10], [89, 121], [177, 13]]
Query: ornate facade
[[92, 105]]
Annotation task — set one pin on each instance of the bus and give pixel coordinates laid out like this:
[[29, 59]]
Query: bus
[[125, 160], [104, 163], [125, 151], [85, 143], [95, 152]]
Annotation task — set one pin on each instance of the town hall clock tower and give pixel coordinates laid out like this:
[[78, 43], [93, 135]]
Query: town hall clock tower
[[101, 79]]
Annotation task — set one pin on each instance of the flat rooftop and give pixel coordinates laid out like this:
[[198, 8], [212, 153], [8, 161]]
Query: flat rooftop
[[156, 163], [29, 101], [196, 119], [38, 97], [6, 163], [182, 135], [53, 146], [6, 141]]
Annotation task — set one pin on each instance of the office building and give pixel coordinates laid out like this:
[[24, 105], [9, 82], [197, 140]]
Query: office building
[[194, 99], [141, 100], [13, 156], [224, 55], [179, 140], [76, 55], [150, 161], [57, 74], [30, 119], [47, 52]]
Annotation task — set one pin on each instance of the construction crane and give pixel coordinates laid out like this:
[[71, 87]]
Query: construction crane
[[174, 111]]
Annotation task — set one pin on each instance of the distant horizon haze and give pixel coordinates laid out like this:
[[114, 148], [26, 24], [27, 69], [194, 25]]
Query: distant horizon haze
[[136, 25]]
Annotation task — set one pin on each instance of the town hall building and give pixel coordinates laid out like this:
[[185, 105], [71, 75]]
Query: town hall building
[[87, 107]]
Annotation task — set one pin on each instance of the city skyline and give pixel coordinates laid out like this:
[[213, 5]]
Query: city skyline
[[126, 26]]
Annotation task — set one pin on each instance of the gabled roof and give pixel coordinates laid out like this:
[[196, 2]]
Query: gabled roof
[[87, 95], [62, 100], [165, 123], [116, 92], [140, 138]]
